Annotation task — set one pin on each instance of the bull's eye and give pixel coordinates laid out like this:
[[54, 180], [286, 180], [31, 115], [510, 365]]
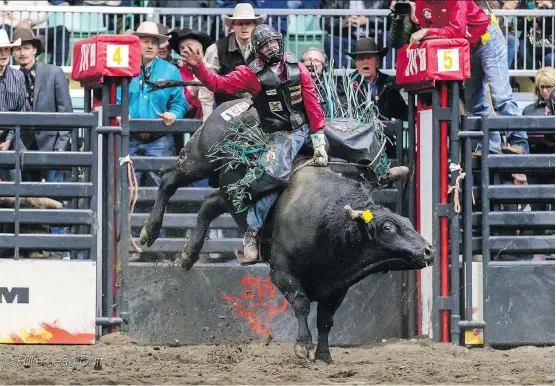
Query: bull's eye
[[388, 228]]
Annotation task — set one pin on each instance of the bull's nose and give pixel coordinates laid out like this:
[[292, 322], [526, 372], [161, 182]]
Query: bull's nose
[[428, 254]]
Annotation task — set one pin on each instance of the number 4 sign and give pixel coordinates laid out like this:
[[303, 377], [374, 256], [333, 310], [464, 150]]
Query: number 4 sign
[[117, 55], [448, 60]]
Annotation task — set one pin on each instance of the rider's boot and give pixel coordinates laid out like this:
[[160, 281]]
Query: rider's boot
[[397, 173], [250, 248]]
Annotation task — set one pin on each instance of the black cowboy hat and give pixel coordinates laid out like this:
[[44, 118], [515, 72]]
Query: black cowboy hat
[[177, 36], [27, 36], [367, 46]]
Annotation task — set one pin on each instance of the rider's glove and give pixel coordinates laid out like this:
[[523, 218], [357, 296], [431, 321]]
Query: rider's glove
[[320, 158]]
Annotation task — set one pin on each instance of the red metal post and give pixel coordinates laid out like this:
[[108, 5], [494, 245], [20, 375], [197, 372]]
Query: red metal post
[[444, 265]]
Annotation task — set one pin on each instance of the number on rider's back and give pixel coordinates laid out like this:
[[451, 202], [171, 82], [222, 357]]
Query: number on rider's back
[[448, 60], [117, 55]]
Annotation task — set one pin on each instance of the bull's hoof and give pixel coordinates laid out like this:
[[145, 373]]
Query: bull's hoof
[[323, 355], [306, 351], [187, 260], [149, 234]]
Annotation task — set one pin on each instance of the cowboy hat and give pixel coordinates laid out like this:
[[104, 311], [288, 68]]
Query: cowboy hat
[[148, 28], [243, 11], [367, 46], [5, 40], [177, 36], [27, 36]]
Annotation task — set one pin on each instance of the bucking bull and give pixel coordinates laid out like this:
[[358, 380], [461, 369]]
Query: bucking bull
[[324, 235]]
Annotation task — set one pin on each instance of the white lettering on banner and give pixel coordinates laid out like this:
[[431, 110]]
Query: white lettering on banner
[[417, 61], [117, 56], [88, 56], [448, 60]]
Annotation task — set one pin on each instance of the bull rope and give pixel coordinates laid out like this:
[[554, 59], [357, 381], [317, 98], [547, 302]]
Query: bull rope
[[456, 188], [133, 194]]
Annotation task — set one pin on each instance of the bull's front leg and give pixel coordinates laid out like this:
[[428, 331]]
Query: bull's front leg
[[291, 288], [213, 206], [169, 183], [325, 320]]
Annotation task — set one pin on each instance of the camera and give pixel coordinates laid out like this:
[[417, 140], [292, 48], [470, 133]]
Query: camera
[[402, 8]]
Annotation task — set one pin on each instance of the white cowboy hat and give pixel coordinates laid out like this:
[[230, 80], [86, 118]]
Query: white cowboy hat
[[148, 28], [243, 11], [5, 40]]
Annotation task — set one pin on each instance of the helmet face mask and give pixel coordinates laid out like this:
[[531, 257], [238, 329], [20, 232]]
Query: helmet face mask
[[262, 38]]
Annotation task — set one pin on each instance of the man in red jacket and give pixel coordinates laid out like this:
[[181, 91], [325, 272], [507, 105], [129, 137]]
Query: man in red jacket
[[464, 19], [288, 107]]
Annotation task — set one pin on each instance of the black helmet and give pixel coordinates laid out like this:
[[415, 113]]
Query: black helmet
[[261, 35]]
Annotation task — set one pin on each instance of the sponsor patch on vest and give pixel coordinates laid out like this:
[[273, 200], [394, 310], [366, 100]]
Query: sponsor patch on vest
[[275, 106], [271, 92], [235, 111], [296, 96]]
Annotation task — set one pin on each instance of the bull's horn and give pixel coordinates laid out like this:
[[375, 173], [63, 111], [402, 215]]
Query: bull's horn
[[352, 213]]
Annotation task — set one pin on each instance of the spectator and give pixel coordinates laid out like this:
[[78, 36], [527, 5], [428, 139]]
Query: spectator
[[57, 38], [375, 84], [315, 60], [464, 19], [168, 104], [544, 85], [13, 96], [179, 40], [344, 34], [401, 28], [164, 52], [230, 52], [197, 22]]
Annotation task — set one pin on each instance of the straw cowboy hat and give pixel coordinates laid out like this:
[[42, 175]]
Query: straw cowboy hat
[[243, 11], [176, 36], [5, 40], [148, 28], [367, 46], [25, 35]]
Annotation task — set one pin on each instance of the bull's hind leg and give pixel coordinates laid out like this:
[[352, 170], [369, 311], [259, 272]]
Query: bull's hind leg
[[213, 206], [291, 288], [325, 320]]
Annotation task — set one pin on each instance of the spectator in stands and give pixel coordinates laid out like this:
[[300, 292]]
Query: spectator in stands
[[164, 51], [48, 92], [315, 60], [168, 104], [230, 52], [179, 40], [544, 85], [343, 34], [196, 22], [536, 45], [13, 95], [57, 37], [375, 84], [489, 64]]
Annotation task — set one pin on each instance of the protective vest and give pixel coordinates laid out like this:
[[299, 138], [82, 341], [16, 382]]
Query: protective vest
[[229, 61], [280, 103]]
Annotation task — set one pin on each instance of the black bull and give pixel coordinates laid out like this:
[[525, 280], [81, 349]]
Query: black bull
[[316, 245]]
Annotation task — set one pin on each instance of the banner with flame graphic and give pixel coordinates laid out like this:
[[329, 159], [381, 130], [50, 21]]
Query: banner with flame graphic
[[47, 301]]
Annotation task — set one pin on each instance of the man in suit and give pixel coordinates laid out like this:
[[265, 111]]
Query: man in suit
[[47, 92]]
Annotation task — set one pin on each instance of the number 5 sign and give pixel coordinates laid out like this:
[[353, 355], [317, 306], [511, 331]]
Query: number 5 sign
[[448, 60], [117, 56]]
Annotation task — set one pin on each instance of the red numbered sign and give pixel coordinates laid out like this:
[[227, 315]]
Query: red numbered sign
[[420, 66], [105, 55]]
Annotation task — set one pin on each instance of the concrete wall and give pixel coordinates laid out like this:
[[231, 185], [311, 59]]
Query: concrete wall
[[227, 303]]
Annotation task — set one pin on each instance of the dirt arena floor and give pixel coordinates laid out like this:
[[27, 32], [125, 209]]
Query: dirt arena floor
[[114, 360]]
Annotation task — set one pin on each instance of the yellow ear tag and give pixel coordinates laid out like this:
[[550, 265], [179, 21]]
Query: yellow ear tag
[[367, 216], [493, 19]]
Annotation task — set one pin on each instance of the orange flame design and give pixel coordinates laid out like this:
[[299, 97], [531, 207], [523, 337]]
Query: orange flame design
[[48, 334]]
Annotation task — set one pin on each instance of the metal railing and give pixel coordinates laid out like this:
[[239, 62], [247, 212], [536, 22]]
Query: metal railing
[[302, 28]]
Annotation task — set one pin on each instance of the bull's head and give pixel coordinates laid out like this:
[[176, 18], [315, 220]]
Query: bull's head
[[393, 241]]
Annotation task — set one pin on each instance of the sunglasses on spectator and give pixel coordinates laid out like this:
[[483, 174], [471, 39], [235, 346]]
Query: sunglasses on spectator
[[544, 86]]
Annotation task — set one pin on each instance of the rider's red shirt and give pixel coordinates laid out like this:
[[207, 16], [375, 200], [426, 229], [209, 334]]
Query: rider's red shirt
[[245, 80], [450, 19]]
